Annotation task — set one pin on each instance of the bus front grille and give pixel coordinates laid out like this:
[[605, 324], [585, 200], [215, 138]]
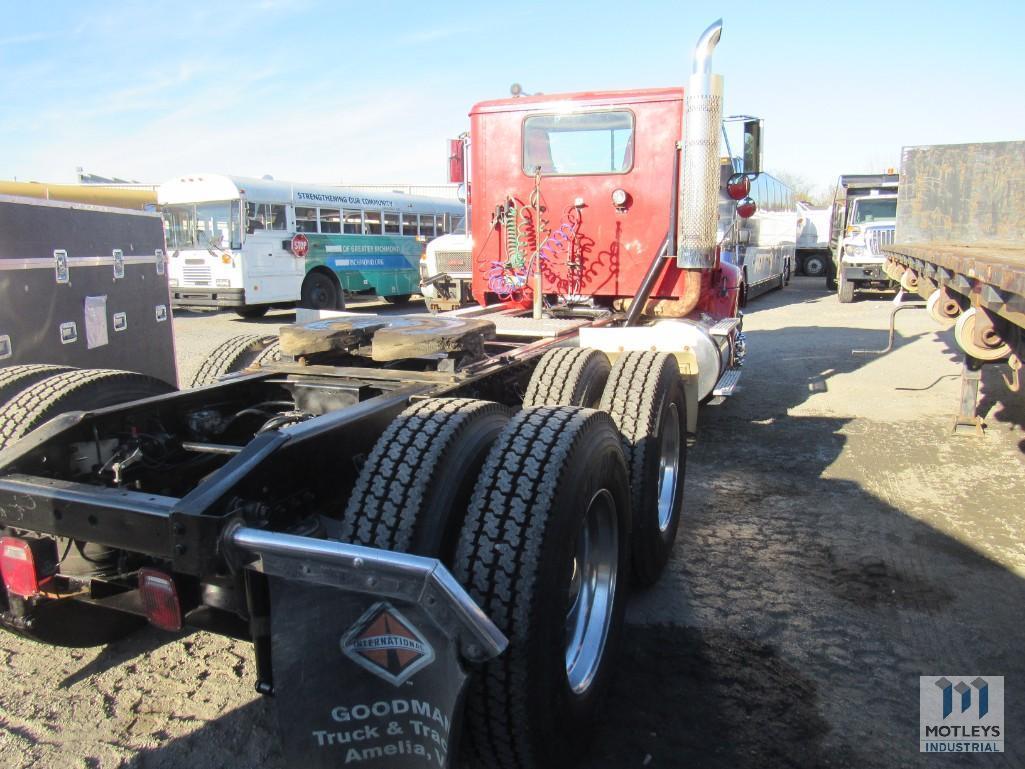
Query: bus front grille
[[454, 261], [196, 276]]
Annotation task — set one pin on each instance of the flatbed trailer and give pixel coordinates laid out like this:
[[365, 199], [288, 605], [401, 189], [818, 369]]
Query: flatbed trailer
[[426, 525], [960, 245]]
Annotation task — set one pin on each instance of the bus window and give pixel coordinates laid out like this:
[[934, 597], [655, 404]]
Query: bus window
[[272, 216], [409, 224], [330, 220], [427, 225], [352, 222], [254, 218], [305, 219], [458, 225], [391, 224], [371, 222], [444, 223]]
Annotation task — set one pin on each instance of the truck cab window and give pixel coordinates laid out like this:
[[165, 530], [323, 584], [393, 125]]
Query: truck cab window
[[584, 143]]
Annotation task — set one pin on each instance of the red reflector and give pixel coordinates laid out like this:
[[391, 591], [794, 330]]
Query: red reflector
[[18, 566], [160, 599]]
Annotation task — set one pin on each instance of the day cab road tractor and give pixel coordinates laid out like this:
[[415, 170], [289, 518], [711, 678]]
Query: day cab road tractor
[[426, 525]]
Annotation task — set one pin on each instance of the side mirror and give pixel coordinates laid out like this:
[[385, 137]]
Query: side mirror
[[456, 161], [752, 147]]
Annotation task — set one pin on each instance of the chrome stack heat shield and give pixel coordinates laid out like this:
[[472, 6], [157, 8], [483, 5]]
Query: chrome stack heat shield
[[699, 184]]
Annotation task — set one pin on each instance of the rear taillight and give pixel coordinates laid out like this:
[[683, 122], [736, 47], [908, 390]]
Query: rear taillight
[[26, 564], [160, 599]]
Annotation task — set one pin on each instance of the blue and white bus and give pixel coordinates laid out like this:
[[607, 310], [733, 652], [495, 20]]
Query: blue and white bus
[[764, 245], [252, 244]]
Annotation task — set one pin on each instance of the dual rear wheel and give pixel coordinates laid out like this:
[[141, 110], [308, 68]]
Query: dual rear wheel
[[543, 517]]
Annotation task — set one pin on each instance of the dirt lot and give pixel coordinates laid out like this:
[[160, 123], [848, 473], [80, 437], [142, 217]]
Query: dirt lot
[[838, 543]]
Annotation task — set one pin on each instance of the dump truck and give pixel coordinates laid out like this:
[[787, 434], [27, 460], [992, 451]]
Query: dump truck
[[862, 223], [426, 525], [812, 253], [960, 245]]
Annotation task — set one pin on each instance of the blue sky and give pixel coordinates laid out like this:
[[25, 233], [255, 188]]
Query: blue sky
[[368, 92]]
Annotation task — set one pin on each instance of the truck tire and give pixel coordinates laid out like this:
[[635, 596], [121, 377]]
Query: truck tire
[[645, 397], [75, 390], [412, 492], [235, 354], [568, 376], [555, 480], [845, 290], [253, 311], [830, 275], [814, 266], [14, 379]]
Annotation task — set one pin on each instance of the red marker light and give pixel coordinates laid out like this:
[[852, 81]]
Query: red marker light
[[160, 599], [746, 208], [18, 564], [739, 187]]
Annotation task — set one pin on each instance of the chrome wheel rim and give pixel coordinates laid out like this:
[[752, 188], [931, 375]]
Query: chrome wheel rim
[[592, 591], [668, 467]]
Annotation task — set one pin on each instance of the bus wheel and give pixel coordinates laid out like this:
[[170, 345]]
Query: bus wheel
[[412, 492], [645, 397], [545, 552], [568, 376], [253, 311], [320, 292]]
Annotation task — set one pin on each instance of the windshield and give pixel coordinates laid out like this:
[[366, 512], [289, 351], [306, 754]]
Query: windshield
[[867, 210], [203, 225]]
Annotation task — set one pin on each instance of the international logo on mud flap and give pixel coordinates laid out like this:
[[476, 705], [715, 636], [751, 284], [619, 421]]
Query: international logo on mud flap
[[387, 644], [961, 714]]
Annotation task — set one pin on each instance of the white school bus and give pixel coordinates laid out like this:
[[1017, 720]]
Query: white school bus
[[252, 244]]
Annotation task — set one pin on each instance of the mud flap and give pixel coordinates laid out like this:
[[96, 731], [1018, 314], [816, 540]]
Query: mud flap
[[368, 650], [361, 682]]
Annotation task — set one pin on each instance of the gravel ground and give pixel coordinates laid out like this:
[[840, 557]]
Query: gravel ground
[[838, 543]]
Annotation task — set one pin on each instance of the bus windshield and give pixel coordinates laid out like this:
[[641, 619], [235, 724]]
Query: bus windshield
[[868, 210], [203, 225]]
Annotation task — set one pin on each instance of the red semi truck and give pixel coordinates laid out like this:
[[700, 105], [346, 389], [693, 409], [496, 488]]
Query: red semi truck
[[426, 525]]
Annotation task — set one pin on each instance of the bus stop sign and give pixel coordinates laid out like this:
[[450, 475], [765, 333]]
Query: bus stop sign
[[300, 245]]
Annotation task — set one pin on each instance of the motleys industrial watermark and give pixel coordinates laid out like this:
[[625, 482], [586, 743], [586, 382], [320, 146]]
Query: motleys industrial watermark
[[961, 714]]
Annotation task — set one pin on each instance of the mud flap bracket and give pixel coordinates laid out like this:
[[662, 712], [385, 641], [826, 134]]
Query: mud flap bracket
[[368, 650]]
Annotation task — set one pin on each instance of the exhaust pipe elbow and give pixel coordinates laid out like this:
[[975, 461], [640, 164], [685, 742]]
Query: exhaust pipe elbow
[[706, 45]]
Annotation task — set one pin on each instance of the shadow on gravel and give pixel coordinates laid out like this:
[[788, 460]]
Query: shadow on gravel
[[799, 611], [122, 652]]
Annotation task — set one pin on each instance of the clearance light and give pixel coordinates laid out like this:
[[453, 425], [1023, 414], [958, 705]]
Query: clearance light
[[226, 258], [738, 187], [18, 562], [160, 599]]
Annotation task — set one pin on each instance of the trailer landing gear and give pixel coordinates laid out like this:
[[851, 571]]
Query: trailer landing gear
[[968, 421]]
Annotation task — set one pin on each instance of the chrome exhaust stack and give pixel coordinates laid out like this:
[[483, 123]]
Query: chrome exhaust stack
[[699, 183]]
